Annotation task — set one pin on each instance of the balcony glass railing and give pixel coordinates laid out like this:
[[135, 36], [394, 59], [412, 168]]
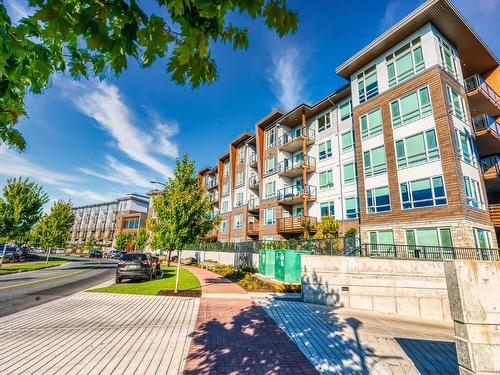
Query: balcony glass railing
[[477, 82], [296, 162], [485, 122], [252, 159], [296, 191], [253, 180], [307, 133], [210, 184], [253, 204], [491, 165]]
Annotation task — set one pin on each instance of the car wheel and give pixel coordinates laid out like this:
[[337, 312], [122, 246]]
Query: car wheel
[[118, 280]]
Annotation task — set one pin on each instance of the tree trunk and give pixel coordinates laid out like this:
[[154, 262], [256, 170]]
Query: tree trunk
[[177, 272], [48, 256], [168, 257], [3, 254]]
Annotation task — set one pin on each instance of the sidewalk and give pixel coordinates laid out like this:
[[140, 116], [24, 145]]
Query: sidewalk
[[233, 335]]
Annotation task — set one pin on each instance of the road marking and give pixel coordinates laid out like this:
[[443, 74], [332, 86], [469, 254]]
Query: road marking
[[48, 278]]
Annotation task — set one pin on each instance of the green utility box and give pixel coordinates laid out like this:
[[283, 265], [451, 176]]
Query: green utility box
[[266, 262], [288, 265]]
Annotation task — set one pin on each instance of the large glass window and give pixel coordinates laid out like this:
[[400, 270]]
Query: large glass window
[[240, 178], [345, 110], [429, 237], [464, 143], [374, 161], [270, 165], [324, 122], [456, 103], [327, 209], [449, 60], [349, 172], [326, 179], [377, 200], [411, 107], [474, 198], [406, 62], [367, 84], [241, 155], [239, 199], [482, 238], [347, 140], [225, 206], [351, 207], [270, 189], [269, 216], [423, 193], [371, 124], [223, 225], [325, 150], [238, 221], [271, 138], [226, 168], [417, 149], [381, 237]]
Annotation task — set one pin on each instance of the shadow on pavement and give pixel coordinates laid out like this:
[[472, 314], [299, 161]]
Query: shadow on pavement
[[431, 357]]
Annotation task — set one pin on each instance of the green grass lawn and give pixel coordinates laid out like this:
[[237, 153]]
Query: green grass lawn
[[188, 281], [10, 268]]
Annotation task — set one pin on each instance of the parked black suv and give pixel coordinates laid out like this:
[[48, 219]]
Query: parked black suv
[[135, 266]]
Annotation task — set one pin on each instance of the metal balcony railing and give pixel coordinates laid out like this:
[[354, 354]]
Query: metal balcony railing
[[253, 204], [297, 162], [485, 122], [210, 184], [491, 166], [296, 191], [476, 82], [307, 133], [253, 180]]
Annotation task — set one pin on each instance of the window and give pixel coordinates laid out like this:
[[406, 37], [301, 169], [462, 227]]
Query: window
[[371, 124], [299, 211], [226, 169], [417, 149], [456, 103], [406, 62], [374, 161], [270, 166], [271, 138], [345, 110], [131, 224], [448, 58], [326, 179], [239, 199], [269, 216], [464, 143], [429, 237], [474, 198], [482, 238], [381, 237], [377, 200], [423, 193], [241, 155], [270, 189], [225, 189], [347, 140], [268, 238], [225, 206], [351, 207], [327, 209], [223, 225], [349, 172], [325, 150], [324, 122], [238, 221], [411, 107], [367, 84], [240, 178]]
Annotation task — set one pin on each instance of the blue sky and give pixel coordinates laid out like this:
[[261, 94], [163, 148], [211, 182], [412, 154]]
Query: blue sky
[[90, 141]]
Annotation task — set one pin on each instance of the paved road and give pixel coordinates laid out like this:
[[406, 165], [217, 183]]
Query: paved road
[[27, 289]]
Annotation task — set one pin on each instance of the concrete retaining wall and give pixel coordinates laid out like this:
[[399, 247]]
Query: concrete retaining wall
[[411, 288], [219, 257]]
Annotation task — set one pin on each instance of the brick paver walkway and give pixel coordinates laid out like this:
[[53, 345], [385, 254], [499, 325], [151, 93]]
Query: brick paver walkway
[[235, 336]]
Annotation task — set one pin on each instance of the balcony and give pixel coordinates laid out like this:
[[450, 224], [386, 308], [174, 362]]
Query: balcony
[[491, 167], [295, 224], [495, 214], [253, 205], [295, 194], [252, 162], [211, 184], [293, 167], [214, 198], [292, 141], [252, 229], [253, 182], [487, 132], [482, 97]]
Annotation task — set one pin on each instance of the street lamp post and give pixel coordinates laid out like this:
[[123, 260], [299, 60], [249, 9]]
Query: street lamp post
[[157, 182]]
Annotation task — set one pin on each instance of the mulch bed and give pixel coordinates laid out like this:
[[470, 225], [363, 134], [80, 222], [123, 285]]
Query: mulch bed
[[180, 293]]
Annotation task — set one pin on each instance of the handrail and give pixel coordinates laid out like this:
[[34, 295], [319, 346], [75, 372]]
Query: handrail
[[294, 223], [477, 82], [294, 191], [490, 162], [295, 162], [292, 135], [253, 180], [485, 122]]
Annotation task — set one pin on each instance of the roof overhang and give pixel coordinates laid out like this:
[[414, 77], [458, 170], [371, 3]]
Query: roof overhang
[[475, 55], [270, 118], [242, 139]]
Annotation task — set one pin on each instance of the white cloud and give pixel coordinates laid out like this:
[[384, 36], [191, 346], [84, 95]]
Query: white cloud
[[392, 14], [120, 173], [88, 195], [104, 103], [287, 77]]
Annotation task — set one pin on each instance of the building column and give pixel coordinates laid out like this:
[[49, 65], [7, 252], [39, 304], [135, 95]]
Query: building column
[[304, 168], [473, 291]]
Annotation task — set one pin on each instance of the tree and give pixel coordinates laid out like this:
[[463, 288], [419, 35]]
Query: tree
[[121, 241], [141, 239], [94, 37], [90, 243], [20, 208], [183, 211], [328, 228]]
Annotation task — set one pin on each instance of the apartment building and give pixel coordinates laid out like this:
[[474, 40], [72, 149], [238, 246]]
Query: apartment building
[[103, 221], [408, 152]]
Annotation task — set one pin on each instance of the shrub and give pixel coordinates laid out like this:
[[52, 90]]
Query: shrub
[[189, 261], [248, 269], [251, 282]]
